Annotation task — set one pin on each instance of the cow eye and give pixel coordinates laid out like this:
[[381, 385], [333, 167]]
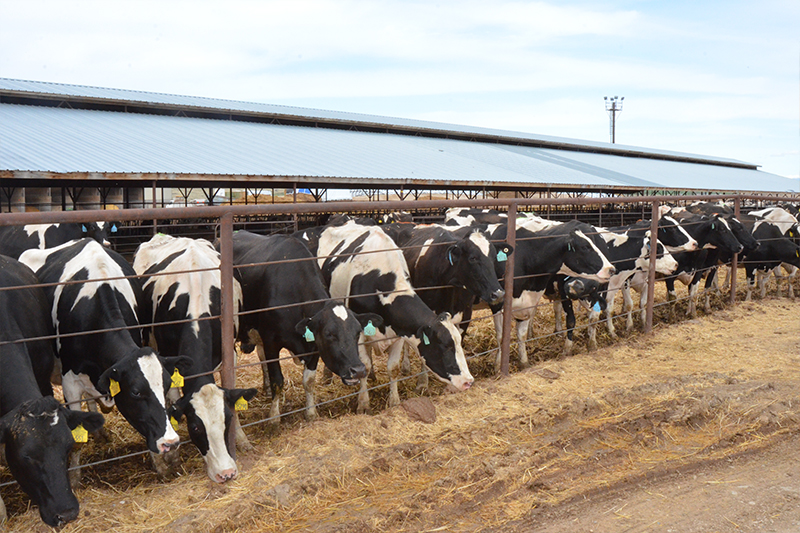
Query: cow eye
[[136, 394]]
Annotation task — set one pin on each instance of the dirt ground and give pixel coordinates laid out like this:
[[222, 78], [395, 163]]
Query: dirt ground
[[692, 428]]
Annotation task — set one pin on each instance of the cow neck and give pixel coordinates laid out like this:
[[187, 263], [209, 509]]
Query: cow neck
[[541, 256], [17, 386], [406, 314]]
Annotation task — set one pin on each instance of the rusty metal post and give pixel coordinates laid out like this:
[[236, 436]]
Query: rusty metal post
[[155, 204], [505, 343], [651, 273], [735, 260], [228, 374]]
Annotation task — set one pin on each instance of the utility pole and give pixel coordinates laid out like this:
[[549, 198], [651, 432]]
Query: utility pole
[[613, 106]]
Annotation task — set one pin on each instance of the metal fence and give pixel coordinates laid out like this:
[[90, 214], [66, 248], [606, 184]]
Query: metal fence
[[220, 222]]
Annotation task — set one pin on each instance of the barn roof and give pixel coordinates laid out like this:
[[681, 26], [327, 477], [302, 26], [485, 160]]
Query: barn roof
[[68, 129]]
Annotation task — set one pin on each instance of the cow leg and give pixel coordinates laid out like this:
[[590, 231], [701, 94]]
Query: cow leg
[[762, 282], [276, 384], [791, 274], [694, 285], [778, 271], [255, 339], [751, 283], [497, 318], [569, 341], [672, 297], [594, 318], [166, 464], [3, 514], [363, 393], [73, 387], [727, 282], [242, 442], [558, 316], [393, 369], [522, 340], [643, 306], [309, 378]]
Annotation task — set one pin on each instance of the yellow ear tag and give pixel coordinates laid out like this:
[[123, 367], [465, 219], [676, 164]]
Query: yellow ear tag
[[80, 434], [174, 423], [177, 379], [241, 404], [113, 387]]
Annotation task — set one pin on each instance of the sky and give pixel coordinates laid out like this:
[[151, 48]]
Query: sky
[[716, 78]]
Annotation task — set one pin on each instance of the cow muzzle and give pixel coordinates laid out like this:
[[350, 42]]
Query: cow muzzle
[[497, 296], [225, 475]]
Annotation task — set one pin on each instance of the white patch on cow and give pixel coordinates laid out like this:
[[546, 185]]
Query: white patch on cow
[[425, 246], [690, 244], [209, 405], [39, 229], [776, 216], [613, 239], [305, 236], [536, 223], [54, 414], [382, 255], [198, 254], [464, 379], [74, 386], [154, 374], [341, 312], [481, 242]]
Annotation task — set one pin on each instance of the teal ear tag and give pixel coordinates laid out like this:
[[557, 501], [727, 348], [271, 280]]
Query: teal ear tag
[[501, 256], [308, 335], [425, 339], [369, 329], [596, 307]]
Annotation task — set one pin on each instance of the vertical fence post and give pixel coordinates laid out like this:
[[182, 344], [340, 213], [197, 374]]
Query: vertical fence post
[[226, 313], [651, 273], [155, 204], [505, 343], [735, 259]]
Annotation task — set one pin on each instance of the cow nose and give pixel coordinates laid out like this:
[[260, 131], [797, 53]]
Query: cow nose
[[226, 475], [66, 516], [498, 295], [167, 446]]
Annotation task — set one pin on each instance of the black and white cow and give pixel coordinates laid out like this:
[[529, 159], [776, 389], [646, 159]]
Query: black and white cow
[[34, 427], [95, 290], [463, 216], [184, 286], [16, 239], [397, 216], [538, 256], [296, 313], [363, 266], [778, 233]]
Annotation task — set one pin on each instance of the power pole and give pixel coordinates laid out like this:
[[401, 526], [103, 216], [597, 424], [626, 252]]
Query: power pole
[[613, 106]]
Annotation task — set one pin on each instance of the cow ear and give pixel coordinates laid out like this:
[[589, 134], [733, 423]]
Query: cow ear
[[91, 422], [444, 317], [104, 381], [366, 318], [453, 254], [571, 242], [424, 334], [182, 362], [233, 395], [301, 326], [176, 409]]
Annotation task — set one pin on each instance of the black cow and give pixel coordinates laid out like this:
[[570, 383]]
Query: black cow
[[558, 249], [111, 361], [362, 265], [34, 427], [16, 239], [176, 294], [296, 314]]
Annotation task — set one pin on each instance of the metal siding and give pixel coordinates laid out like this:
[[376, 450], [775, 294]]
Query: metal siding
[[64, 140]]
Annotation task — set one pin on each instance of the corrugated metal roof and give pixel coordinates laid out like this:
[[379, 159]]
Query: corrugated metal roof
[[105, 94], [49, 139]]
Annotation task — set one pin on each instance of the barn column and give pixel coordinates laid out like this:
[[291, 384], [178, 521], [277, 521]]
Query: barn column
[[13, 199]]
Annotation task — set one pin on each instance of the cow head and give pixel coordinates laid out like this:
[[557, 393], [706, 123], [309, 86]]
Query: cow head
[[209, 414], [336, 330], [675, 237], [745, 238], [472, 267], [38, 440], [439, 344], [581, 258], [138, 384], [665, 262], [99, 231], [718, 234]]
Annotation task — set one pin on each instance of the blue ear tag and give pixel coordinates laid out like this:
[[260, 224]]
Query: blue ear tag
[[569, 246], [114, 228], [712, 225], [450, 256], [369, 329], [596, 307], [83, 228], [308, 335], [425, 339], [501, 256]]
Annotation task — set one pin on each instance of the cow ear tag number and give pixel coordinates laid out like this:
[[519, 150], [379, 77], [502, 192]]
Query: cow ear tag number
[[308, 336], [501, 256], [177, 379], [425, 339], [79, 434], [113, 387], [241, 404], [369, 329]]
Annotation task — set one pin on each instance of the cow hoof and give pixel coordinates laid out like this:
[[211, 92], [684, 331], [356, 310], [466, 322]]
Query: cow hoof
[[363, 410], [311, 414], [75, 478], [166, 464], [243, 445], [592, 346]]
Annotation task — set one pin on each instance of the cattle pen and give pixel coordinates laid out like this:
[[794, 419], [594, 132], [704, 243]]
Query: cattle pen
[[222, 221]]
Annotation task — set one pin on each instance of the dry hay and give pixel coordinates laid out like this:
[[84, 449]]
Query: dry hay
[[568, 426]]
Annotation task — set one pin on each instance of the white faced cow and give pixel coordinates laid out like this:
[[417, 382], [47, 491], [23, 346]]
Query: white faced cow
[[92, 294], [184, 286], [34, 427], [362, 265]]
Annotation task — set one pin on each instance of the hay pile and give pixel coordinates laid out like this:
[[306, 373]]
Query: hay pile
[[560, 430]]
